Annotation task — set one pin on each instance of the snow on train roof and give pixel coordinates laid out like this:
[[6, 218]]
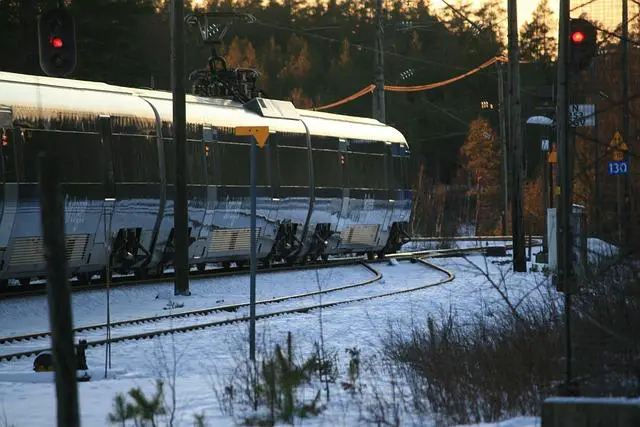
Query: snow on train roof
[[35, 96]]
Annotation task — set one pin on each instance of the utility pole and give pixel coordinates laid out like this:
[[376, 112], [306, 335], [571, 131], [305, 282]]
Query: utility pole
[[503, 140], [517, 165], [379, 112], [180, 218], [565, 175], [625, 219]]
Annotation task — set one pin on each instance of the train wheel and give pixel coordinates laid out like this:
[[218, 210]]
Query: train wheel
[[226, 265], [370, 256], [201, 267], [325, 257], [25, 281]]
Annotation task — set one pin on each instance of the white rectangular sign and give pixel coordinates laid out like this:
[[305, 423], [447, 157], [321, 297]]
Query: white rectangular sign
[[582, 115]]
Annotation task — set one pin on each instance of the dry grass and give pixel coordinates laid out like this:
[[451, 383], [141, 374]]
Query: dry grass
[[506, 364]]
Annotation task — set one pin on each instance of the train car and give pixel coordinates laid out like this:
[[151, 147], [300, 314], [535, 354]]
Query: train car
[[327, 184]]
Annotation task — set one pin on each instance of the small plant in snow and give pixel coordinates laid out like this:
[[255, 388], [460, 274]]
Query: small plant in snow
[[142, 411], [353, 370], [272, 390]]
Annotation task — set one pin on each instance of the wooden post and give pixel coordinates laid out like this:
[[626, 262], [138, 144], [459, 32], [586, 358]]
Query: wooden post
[[58, 292]]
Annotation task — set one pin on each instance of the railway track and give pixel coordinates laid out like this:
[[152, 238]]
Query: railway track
[[217, 323], [40, 289], [470, 238], [192, 313], [117, 282]]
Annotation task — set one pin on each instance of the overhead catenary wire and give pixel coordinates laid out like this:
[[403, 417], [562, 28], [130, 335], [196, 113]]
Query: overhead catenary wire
[[357, 45], [418, 88]]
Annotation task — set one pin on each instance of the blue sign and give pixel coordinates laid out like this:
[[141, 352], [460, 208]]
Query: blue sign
[[618, 168]]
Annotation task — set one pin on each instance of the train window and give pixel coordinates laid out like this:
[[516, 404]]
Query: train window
[[167, 130], [8, 161], [401, 173], [131, 126], [196, 166], [135, 158], [324, 142], [365, 146], [210, 154], [194, 131], [294, 166], [366, 171], [234, 165], [291, 139], [76, 153], [327, 170], [169, 160]]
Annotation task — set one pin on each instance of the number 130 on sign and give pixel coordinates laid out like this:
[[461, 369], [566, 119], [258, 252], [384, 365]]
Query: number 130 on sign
[[618, 168]]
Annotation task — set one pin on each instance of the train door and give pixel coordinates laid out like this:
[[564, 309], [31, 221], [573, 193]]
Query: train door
[[8, 178], [209, 136], [390, 185], [107, 157], [109, 203], [8, 192], [344, 165]]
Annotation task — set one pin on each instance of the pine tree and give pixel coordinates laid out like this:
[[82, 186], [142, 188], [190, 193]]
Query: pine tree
[[537, 40]]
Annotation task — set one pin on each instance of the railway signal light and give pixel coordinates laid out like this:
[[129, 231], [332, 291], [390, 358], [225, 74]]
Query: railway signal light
[[582, 44], [57, 42]]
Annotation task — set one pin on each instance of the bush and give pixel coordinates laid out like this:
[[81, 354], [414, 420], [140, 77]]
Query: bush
[[506, 363], [271, 390]]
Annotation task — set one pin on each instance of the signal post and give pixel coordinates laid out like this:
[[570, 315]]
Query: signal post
[[260, 135], [57, 42], [576, 47]]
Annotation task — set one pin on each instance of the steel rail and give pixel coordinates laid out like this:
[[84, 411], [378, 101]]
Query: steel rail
[[300, 310], [199, 312], [234, 307], [40, 289]]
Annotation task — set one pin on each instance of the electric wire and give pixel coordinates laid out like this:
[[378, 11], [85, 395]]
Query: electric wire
[[418, 88], [358, 45]]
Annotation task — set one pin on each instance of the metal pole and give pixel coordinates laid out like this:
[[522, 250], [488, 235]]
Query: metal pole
[[565, 173], [517, 166], [545, 195], [181, 222], [108, 205], [58, 292], [552, 171], [597, 177], [379, 111], [503, 140], [106, 257], [252, 264], [625, 209]]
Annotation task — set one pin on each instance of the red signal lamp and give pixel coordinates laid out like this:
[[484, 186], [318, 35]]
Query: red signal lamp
[[577, 37], [57, 42]]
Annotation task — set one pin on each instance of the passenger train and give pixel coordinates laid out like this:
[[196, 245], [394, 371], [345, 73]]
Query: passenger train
[[328, 184]]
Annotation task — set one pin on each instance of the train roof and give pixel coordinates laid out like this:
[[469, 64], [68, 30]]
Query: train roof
[[32, 97]]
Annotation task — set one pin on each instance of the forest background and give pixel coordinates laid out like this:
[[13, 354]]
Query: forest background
[[314, 54]]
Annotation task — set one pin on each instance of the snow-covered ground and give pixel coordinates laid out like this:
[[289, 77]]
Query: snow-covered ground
[[207, 357]]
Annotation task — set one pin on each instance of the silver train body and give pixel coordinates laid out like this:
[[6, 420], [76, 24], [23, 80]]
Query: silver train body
[[327, 184]]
